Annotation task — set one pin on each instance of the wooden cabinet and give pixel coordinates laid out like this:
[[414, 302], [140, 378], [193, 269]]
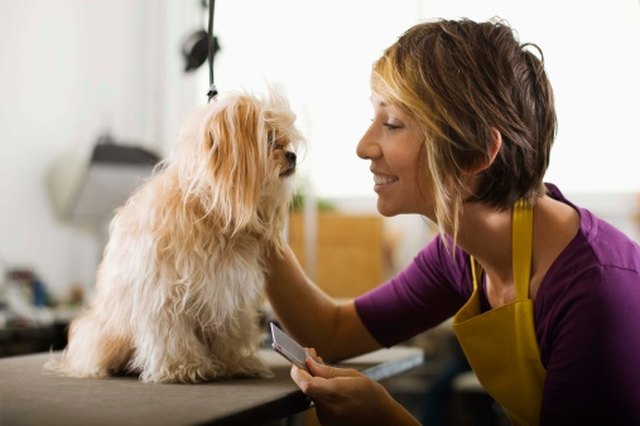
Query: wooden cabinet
[[349, 252]]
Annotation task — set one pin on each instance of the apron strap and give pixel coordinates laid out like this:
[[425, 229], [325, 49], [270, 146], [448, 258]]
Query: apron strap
[[476, 272], [521, 240]]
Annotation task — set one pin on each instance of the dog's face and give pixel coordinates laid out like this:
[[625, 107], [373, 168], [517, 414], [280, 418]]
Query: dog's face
[[237, 157]]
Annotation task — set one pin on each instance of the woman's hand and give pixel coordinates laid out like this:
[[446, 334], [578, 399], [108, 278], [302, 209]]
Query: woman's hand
[[347, 397]]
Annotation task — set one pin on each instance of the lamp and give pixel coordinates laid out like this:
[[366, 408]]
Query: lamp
[[86, 191], [195, 48]]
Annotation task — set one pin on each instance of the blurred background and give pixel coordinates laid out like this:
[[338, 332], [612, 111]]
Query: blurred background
[[74, 72], [94, 92]]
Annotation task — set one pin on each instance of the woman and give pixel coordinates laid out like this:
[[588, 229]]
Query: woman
[[545, 296]]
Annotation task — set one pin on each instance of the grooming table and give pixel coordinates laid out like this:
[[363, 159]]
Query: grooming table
[[30, 397]]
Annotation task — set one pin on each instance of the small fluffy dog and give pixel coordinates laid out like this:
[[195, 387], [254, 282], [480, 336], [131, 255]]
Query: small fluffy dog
[[182, 277]]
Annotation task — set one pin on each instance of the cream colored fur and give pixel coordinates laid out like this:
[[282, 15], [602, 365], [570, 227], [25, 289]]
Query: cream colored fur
[[182, 277]]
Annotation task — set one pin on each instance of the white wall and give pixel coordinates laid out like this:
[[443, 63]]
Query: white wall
[[321, 53], [70, 69]]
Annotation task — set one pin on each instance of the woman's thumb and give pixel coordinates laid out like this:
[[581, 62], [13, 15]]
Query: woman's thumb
[[326, 371], [318, 369]]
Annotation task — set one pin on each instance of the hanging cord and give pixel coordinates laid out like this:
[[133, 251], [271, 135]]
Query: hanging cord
[[212, 47]]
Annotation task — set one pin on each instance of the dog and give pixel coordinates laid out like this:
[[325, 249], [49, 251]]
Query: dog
[[181, 281]]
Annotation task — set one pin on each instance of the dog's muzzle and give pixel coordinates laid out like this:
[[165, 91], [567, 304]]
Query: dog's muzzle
[[291, 163]]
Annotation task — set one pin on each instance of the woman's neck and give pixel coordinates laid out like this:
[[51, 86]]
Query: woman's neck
[[485, 233]]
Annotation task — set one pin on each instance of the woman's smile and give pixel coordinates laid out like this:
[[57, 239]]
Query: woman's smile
[[382, 181]]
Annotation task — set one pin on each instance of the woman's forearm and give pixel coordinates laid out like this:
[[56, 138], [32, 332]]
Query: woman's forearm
[[306, 312], [312, 317]]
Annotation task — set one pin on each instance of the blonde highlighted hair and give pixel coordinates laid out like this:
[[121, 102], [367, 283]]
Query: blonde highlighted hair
[[461, 81]]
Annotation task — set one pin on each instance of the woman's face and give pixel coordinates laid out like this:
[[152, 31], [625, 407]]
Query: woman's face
[[395, 146]]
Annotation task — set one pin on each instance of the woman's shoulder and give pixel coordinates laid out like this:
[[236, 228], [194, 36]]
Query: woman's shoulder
[[441, 258], [598, 246], [596, 276], [587, 318]]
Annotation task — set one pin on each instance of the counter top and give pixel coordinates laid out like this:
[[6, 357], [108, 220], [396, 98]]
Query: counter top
[[30, 397]]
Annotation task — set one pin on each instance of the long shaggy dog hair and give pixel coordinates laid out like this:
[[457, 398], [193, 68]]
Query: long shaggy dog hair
[[182, 277]]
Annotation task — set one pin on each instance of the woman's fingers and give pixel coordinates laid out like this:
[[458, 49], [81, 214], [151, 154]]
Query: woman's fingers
[[318, 383], [302, 378], [323, 370], [313, 354]]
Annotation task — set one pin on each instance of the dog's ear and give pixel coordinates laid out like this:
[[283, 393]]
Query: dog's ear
[[236, 150]]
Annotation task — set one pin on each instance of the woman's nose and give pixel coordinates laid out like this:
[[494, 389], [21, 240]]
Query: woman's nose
[[368, 148]]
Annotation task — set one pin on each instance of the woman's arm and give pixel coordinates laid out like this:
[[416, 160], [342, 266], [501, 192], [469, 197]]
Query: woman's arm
[[310, 315]]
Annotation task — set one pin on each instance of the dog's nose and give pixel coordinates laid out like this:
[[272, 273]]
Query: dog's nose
[[291, 157]]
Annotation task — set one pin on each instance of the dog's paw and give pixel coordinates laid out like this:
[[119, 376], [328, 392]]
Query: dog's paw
[[253, 366], [186, 373]]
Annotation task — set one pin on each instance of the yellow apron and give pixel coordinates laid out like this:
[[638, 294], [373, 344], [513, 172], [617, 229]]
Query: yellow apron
[[501, 344]]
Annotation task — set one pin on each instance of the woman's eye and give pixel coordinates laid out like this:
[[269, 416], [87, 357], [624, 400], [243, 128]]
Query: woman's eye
[[392, 126]]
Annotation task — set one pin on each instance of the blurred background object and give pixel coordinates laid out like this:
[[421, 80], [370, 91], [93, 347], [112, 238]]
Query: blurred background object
[[87, 191]]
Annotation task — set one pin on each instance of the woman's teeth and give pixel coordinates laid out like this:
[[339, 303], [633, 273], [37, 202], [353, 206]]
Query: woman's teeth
[[383, 180]]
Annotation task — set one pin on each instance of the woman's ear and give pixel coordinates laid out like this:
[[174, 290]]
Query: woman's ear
[[495, 143]]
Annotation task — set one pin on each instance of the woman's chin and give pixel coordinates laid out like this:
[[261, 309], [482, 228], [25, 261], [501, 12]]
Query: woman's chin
[[387, 210]]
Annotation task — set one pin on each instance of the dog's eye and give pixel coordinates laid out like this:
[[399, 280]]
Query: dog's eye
[[273, 142]]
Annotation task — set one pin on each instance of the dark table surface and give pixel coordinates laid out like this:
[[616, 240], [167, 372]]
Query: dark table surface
[[30, 397]]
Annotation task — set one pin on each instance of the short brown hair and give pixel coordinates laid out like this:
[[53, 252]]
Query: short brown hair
[[460, 80]]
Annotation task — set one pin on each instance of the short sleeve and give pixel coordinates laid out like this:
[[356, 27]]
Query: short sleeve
[[423, 295]]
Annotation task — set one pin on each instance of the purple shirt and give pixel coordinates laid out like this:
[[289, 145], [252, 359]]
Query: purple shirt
[[586, 316]]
